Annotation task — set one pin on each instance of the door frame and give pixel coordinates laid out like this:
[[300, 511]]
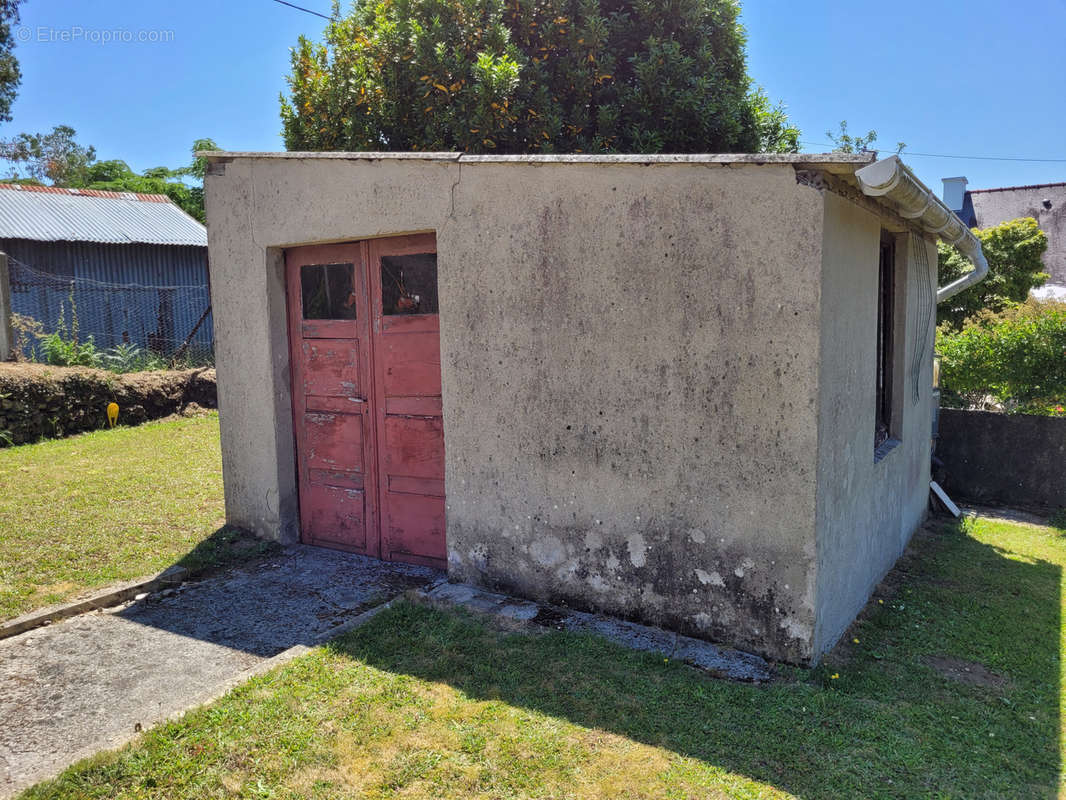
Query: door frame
[[365, 255], [360, 328]]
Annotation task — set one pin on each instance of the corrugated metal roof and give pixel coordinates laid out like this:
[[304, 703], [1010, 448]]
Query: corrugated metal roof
[[51, 214]]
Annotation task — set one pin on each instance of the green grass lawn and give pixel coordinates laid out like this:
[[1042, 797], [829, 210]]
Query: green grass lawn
[[112, 505], [422, 703]]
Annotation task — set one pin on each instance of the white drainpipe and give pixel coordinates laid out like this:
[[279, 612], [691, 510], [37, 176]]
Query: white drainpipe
[[892, 179]]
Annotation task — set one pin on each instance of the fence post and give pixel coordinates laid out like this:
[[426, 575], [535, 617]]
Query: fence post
[[5, 310]]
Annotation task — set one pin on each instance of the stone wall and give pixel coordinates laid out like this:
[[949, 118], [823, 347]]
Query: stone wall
[[1009, 459], [39, 401]]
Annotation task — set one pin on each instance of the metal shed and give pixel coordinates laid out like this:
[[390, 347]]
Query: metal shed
[[134, 264]]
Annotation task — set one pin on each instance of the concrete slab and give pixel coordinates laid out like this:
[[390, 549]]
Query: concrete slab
[[722, 662], [91, 682], [102, 598]]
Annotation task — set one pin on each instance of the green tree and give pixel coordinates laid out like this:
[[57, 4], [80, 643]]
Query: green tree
[[160, 180], [518, 76], [57, 158], [1013, 250], [198, 168], [10, 74], [844, 142], [189, 198]]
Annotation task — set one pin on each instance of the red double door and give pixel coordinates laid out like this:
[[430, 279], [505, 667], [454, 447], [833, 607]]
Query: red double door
[[365, 341]]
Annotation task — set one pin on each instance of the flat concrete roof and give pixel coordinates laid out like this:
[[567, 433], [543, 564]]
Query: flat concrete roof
[[852, 160]]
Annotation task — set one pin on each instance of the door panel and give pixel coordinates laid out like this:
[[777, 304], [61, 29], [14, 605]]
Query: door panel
[[334, 442], [415, 531], [367, 397], [412, 363], [332, 368], [415, 446], [403, 277], [329, 324], [335, 516], [413, 406]]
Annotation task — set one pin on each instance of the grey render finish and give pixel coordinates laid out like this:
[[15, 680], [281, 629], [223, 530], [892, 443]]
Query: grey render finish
[[658, 374]]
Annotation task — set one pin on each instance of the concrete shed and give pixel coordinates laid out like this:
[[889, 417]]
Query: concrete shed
[[692, 391]]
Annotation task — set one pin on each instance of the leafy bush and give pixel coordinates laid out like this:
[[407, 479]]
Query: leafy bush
[[1013, 250], [1016, 357], [27, 331], [520, 76], [60, 352], [62, 348], [127, 357]]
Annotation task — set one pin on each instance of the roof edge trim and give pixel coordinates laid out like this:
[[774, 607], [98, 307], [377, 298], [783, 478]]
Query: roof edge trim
[[893, 180], [850, 159]]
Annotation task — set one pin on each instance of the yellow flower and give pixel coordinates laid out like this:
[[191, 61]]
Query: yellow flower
[[855, 640], [834, 676]]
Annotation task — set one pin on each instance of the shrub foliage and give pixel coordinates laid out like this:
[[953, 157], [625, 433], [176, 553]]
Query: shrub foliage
[[1013, 250], [1017, 357], [517, 76]]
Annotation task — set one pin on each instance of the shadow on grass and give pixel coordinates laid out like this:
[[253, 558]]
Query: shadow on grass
[[225, 547], [883, 717], [1058, 521]]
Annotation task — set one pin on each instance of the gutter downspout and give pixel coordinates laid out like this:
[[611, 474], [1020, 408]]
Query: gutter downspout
[[892, 179]]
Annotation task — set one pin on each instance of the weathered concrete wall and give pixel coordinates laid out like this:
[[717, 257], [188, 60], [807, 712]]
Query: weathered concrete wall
[[867, 511], [1013, 459], [993, 206], [256, 208], [629, 361]]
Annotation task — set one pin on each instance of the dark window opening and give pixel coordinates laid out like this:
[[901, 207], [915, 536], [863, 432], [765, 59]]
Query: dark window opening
[[409, 284], [327, 291], [886, 290]]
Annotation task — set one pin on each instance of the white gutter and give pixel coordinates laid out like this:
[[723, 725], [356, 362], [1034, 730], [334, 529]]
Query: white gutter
[[892, 179]]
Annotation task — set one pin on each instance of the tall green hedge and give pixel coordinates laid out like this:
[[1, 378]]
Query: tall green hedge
[[1016, 357]]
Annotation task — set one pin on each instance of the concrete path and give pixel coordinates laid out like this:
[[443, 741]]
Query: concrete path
[[91, 682]]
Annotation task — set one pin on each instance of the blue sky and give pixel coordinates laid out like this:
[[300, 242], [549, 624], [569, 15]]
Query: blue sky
[[978, 78]]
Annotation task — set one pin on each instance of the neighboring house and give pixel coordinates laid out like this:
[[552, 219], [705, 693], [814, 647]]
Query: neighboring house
[[137, 264], [694, 391], [1044, 202]]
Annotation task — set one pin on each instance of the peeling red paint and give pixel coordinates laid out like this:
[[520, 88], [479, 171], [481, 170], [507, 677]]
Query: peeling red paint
[[367, 413]]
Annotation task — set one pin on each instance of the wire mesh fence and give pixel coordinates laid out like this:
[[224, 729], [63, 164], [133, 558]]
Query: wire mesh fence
[[164, 321]]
